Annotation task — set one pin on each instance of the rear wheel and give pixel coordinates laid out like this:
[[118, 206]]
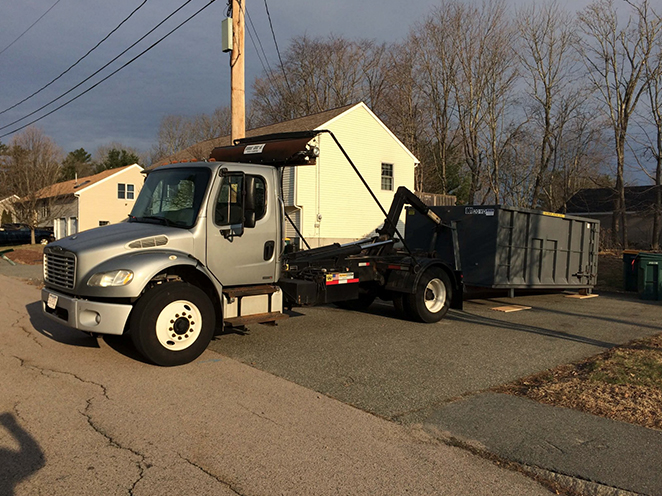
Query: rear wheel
[[432, 298], [172, 323]]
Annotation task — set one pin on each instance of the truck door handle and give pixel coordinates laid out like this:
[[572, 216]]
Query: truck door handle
[[269, 249]]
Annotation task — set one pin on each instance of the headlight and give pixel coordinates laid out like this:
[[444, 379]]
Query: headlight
[[113, 278]]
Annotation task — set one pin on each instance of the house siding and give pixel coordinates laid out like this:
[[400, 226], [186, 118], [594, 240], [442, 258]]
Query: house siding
[[332, 189], [99, 202]]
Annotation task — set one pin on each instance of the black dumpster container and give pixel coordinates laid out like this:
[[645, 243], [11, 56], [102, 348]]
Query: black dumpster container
[[649, 280], [504, 247]]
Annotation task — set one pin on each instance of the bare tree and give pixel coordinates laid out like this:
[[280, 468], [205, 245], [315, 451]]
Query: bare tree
[[319, 74], [31, 163], [436, 65], [178, 132], [580, 152], [546, 54], [616, 57], [654, 143], [484, 75]]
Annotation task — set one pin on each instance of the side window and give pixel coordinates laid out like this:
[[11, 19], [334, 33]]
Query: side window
[[229, 203], [121, 191], [260, 197]]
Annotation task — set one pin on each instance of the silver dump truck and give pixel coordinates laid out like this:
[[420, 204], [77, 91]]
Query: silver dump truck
[[203, 249]]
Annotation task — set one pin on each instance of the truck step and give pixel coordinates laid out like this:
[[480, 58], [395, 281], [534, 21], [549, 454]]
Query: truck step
[[239, 291], [258, 318]]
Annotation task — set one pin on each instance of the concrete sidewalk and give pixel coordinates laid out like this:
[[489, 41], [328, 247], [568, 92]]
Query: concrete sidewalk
[[560, 440]]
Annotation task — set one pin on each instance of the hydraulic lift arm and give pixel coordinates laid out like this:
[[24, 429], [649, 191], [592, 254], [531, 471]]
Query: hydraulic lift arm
[[401, 198]]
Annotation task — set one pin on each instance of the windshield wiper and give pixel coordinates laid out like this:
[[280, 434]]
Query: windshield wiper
[[160, 220]]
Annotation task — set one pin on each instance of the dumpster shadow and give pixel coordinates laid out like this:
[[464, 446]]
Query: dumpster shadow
[[613, 320], [57, 332], [18, 464], [461, 316]]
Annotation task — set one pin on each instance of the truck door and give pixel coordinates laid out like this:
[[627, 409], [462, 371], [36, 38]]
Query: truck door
[[238, 252]]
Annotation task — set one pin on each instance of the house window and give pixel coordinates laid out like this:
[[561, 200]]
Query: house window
[[387, 177], [125, 191]]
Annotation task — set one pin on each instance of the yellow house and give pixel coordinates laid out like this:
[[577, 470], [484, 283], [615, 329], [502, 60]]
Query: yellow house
[[93, 201], [328, 202]]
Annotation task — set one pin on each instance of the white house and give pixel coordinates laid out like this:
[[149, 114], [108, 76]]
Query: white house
[[93, 201], [328, 202]]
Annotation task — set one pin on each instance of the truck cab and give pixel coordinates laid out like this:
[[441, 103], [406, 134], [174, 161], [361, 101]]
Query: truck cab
[[196, 228]]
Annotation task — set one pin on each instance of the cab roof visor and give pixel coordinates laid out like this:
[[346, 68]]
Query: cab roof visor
[[276, 150]]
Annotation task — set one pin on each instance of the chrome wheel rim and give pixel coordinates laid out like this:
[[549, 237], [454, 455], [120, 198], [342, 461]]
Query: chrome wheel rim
[[435, 295]]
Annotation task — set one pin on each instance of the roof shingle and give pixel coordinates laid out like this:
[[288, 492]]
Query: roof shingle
[[74, 185]]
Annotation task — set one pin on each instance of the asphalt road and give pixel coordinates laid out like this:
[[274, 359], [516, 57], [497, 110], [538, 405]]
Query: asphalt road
[[403, 371], [81, 416]]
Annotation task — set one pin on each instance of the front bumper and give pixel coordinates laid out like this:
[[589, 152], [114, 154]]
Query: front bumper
[[85, 315]]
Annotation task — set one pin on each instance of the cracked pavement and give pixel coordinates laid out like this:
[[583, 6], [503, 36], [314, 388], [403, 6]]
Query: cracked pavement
[[81, 416]]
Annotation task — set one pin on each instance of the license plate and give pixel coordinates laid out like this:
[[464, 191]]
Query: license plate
[[52, 301]]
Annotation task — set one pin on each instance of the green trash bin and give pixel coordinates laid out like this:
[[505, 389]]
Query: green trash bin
[[649, 280], [630, 270]]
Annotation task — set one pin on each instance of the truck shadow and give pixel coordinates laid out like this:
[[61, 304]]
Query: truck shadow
[[592, 316], [18, 464], [57, 332], [462, 316], [66, 335]]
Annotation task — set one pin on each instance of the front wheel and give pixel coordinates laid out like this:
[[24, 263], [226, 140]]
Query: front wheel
[[172, 323], [432, 298]]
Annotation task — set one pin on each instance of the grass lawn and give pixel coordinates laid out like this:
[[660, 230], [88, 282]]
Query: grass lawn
[[25, 254], [623, 383]]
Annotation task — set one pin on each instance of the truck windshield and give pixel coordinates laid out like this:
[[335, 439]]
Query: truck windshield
[[171, 197]]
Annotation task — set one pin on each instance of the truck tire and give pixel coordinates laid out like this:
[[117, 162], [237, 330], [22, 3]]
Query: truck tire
[[172, 323], [432, 298]]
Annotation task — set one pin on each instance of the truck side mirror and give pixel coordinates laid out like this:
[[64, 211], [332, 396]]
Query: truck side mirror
[[235, 230], [249, 199], [249, 218]]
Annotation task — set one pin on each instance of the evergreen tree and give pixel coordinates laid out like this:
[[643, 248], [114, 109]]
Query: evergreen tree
[[78, 162]]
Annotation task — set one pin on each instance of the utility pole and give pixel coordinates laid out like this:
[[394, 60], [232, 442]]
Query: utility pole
[[237, 79]]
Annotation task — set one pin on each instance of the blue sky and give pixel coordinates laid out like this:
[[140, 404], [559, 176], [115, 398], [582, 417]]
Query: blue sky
[[186, 74]]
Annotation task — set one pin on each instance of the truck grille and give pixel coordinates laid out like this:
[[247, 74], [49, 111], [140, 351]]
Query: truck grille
[[60, 269]]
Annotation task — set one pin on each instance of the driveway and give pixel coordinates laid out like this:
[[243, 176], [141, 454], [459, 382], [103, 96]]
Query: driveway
[[82, 416], [402, 370]]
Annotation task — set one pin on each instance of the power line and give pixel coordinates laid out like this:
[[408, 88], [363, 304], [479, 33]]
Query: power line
[[261, 57], [264, 54], [29, 28], [116, 70], [100, 69], [75, 63], [282, 67]]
